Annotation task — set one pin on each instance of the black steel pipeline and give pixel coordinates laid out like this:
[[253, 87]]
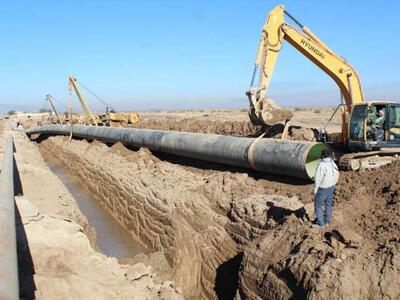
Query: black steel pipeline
[[9, 286], [281, 157]]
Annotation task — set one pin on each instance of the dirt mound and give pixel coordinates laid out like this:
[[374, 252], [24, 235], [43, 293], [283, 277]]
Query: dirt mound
[[237, 128], [241, 128], [293, 262], [357, 257], [374, 195]]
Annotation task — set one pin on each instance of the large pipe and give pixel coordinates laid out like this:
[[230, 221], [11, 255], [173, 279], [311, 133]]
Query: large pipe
[[9, 287], [282, 157]]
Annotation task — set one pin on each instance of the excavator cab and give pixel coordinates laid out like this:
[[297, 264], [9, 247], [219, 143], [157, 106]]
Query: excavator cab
[[374, 125]]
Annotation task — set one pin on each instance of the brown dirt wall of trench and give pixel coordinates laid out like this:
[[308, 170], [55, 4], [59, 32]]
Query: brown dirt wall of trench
[[179, 210], [228, 233]]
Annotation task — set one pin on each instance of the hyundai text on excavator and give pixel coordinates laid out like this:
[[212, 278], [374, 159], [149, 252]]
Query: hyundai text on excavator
[[362, 143], [110, 118]]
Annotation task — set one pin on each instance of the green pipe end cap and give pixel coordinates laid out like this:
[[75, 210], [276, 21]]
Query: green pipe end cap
[[314, 157]]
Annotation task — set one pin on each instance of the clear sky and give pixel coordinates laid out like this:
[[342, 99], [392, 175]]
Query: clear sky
[[186, 54]]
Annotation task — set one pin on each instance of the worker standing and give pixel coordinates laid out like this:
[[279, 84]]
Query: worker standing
[[326, 177], [20, 128]]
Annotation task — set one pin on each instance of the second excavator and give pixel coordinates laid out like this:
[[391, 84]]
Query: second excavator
[[370, 134]]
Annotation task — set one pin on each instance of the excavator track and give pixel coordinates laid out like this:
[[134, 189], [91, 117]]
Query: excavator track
[[368, 160]]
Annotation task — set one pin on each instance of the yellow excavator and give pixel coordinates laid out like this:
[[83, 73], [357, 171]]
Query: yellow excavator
[[110, 118], [363, 142]]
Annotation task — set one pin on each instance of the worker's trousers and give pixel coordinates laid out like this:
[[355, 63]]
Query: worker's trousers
[[324, 196]]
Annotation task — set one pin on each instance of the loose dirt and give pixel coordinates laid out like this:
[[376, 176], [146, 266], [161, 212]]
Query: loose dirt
[[202, 126], [357, 257], [236, 128]]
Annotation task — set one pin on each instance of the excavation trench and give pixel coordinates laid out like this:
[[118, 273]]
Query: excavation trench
[[194, 215], [171, 209], [224, 233], [111, 238]]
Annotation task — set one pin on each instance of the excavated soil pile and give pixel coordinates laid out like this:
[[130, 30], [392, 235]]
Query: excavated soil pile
[[357, 257], [237, 128], [241, 128], [238, 233]]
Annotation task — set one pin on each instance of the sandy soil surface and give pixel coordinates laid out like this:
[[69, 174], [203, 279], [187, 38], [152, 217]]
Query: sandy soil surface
[[311, 117], [356, 257], [230, 233], [220, 119], [57, 259]]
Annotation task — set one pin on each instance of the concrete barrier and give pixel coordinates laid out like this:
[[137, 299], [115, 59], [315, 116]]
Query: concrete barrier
[[9, 286]]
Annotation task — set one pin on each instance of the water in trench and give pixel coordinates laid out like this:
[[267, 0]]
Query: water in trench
[[111, 238]]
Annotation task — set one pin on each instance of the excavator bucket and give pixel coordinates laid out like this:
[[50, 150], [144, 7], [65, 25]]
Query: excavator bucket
[[267, 112]]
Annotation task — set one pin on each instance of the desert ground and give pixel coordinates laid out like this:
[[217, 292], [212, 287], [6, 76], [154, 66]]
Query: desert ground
[[212, 231], [303, 116]]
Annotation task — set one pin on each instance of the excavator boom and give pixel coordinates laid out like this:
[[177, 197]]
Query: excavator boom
[[274, 32], [370, 145]]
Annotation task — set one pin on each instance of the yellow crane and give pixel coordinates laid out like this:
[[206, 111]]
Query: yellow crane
[[50, 99], [89, 115], [110, 118], [359, 132]]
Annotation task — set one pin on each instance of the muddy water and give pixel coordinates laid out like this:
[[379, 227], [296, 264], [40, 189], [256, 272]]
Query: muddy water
[[111, 238]]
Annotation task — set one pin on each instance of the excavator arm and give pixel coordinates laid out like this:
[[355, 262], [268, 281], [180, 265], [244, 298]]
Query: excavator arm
[[274, 32], [86, 109]]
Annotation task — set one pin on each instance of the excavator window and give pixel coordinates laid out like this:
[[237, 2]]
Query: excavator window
[[376, 122], [394, 123], [357, 123]]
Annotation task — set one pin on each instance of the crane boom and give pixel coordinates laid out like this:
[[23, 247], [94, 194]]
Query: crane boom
[[86, 109], [50, 99]]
